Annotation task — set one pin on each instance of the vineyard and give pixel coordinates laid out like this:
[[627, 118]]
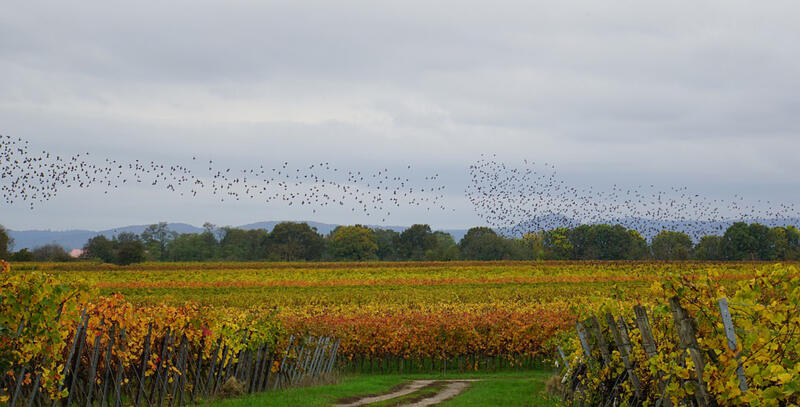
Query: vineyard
[[693, 345], [156, 324]]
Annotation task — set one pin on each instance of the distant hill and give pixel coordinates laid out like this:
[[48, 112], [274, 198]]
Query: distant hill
[[75, 239]]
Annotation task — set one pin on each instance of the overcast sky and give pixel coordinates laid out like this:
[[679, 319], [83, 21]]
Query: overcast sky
[[702, 94]]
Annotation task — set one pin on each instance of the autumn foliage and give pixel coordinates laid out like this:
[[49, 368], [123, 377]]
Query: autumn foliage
[[765, 311]]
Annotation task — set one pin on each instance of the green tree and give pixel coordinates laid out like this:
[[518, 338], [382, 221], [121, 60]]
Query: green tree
[[557, 244], [242, 245], [6, 243], [747, 242], [669, 245], [22, 255], [482, 243], [637, 246], [785, 243], [100, 247], [353, 243], [446, 248], [709, 248], [50, 252], [128, 249], [295, 241], [386, 240], [156, 237], [607, 242], [602, 242], [193, 247], [531, 246], [415, 241]]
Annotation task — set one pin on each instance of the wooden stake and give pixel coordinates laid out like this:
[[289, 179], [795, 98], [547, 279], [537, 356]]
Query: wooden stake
[[594, 325], [649, 345], [120, 368], [107, 363], [145, 359], [730, 333], [688, 337], [587, 349], [624, 346]]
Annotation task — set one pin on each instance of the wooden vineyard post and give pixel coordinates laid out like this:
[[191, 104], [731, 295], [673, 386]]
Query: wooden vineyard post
[[93, 368], [312, 356], [75, 339], [118, 381], [309, 357], [251, 385], [281, 368], [107, 363], [211, 367], [18, 388], [585, 344], [594, 325], [587, 350], [266, 366], [145, 359], [179, 375], [325, 354], [649, 345], [184, 372], [241, 355], [332, 360], [688, 338], [163, 390], [727, 322], [297, 361], [217, 376], [624, 346], [319, 353], [563, 357], [35, 392], [73, 380], [156, 390]]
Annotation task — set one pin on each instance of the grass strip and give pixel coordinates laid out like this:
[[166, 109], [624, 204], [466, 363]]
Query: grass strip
[[355, 387], [506, 392], [423, 393]]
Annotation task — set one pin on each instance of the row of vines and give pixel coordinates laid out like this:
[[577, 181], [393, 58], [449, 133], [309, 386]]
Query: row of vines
[[693, 342], [63, 342]]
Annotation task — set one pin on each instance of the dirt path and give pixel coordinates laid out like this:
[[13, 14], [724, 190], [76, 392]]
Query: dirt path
[[408, 389], [452, 389]]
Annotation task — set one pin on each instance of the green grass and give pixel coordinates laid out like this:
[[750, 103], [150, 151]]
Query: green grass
[[427, 391], [507, 392], [316, 395], [510, 388]]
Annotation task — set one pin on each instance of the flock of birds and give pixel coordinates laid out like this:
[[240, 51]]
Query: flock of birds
[[33, 178], [531, 197], [512, 199]]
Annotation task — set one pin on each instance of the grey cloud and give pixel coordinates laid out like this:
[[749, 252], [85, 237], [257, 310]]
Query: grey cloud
[[665, 91]]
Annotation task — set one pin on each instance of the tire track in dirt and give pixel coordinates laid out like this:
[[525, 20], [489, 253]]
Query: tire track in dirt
[[452, 389]]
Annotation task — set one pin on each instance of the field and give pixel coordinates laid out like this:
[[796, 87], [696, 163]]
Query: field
[[390, 310], [406, 319]]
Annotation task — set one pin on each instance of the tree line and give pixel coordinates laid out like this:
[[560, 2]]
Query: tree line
[[291, 241]]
